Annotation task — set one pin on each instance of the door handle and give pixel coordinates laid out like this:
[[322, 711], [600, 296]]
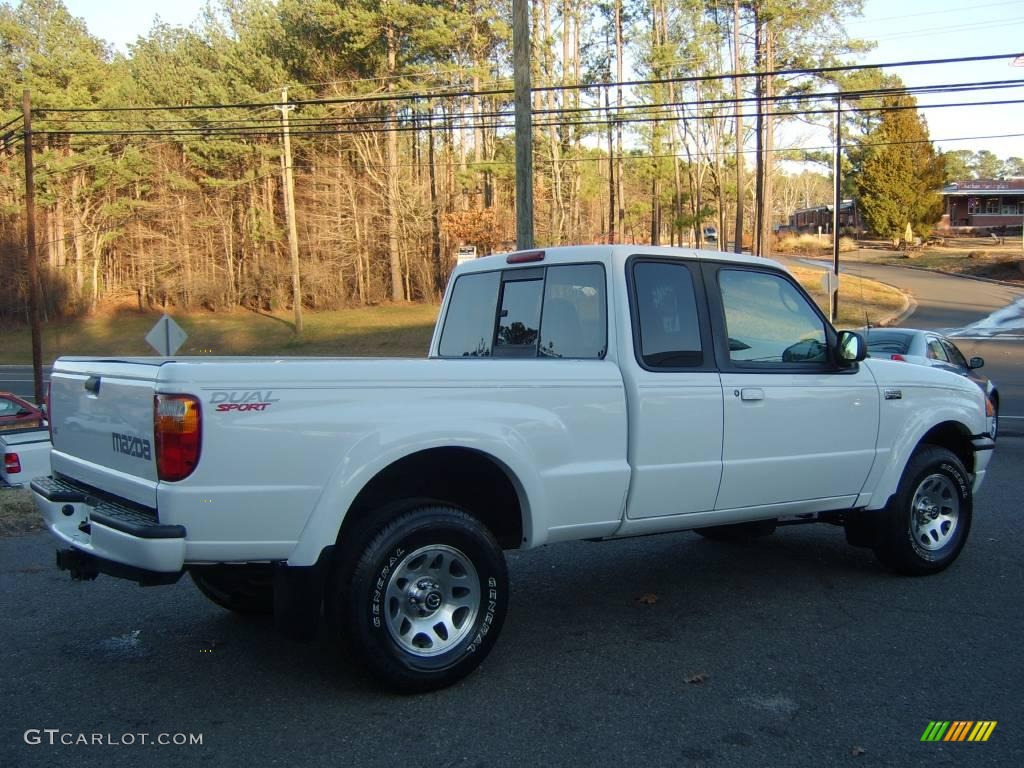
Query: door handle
[[751, 393]]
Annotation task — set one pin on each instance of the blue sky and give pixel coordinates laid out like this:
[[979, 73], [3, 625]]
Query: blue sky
[[904, 30]]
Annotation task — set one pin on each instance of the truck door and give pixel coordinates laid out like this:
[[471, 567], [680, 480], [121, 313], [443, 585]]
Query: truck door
[[797, 427], [675, 394]]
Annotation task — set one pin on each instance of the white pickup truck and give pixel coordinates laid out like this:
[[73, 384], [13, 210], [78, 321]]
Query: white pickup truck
[[593, 392], [26, 454]]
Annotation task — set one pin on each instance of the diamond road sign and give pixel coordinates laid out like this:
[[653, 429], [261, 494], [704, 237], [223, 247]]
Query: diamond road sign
[[166, 337]]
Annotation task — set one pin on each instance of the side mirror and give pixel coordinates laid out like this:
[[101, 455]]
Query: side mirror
[[976, 362], [851, 347]]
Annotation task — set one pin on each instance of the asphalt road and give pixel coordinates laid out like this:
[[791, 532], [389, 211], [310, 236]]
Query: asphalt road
[[795, 650], [18, 379]]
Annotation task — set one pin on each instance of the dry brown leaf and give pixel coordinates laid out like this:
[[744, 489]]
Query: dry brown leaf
[[648, 599]]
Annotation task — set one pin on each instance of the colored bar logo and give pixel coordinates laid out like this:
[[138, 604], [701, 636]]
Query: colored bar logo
[[959, 730]]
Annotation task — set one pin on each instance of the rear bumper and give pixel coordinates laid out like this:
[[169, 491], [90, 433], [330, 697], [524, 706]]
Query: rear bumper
[[110, 536]]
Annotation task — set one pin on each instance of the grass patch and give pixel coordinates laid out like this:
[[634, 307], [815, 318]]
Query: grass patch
[[969, 256], [396, 330], [18, 514], [388, 330], [811, 245], [860, 300]]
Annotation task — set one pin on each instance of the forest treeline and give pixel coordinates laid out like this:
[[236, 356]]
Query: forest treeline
[[160, 173]]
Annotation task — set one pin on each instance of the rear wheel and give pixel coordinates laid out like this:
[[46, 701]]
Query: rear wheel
[[926, 522], [244, 589], [426, 598]]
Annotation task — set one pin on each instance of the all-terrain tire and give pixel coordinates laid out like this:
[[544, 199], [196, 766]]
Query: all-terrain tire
[[426, 598], [926, 522]]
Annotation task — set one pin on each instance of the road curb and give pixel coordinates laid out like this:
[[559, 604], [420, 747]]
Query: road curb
[[907, 311], [1005, 283], [993, 281]]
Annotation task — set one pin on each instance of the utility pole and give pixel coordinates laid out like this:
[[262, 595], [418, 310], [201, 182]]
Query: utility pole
[[837, 200], [289, 209], [611, 166], [30, 250], [524, 123], [737, 89]]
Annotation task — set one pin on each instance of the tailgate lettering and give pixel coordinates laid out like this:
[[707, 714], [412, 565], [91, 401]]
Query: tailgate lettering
[[136, 447]]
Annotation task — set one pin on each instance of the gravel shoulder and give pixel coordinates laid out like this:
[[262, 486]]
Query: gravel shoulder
[[18, 515]]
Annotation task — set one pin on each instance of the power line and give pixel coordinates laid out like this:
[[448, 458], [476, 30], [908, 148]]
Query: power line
[[208, 125], [540, 89], [360, 126], [10, 122]]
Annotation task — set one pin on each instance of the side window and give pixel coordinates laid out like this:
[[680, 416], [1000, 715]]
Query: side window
[[768, 320], [666, 311], [954, 354], [935, 350], [469, 323], [558, 312], [519, 317], [574, 322]]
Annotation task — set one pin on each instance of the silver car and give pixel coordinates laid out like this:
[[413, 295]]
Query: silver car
[[934, 349]]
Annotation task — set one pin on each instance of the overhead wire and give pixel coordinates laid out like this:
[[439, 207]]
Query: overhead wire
[[540, 89], [400, 125], [208, 125]]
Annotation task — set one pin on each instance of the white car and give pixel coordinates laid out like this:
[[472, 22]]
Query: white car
[[932, 349]]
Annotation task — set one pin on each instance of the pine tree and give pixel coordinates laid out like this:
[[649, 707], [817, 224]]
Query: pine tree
[[900, 174]]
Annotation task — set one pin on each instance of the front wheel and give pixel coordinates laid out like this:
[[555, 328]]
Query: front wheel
[[426, 599], [926, 523]]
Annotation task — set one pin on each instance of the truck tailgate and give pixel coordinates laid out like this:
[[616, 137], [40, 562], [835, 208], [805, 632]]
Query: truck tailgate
[[102, 417]]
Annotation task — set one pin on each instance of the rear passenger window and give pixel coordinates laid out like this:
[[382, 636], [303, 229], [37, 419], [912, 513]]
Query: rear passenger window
[[469, 323], [519, 318], [573, 322], [666, 309], [558, 312]]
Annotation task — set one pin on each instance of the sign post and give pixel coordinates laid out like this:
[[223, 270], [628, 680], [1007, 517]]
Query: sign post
[[166, 337], [830, 282]]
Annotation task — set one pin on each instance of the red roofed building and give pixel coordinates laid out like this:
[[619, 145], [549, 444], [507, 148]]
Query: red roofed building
[[985, 204]]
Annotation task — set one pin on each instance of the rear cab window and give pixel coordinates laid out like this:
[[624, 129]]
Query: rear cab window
[[557, 311], [667, 328]]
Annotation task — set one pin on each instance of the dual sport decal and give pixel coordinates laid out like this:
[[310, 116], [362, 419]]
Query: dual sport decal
[[243, 400]]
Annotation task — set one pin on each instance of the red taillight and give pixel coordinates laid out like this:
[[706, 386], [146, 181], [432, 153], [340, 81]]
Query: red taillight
[[177, 429], [525, 257], [901, 358], [11, 464]]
